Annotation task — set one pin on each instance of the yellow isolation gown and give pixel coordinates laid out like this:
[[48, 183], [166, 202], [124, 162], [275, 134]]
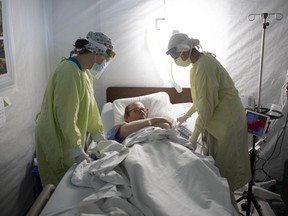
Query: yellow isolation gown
[[68, 112], [222, 115]]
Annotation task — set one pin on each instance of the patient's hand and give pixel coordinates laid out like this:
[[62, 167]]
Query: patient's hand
[[161, 122], [163, 125], [129, 127]]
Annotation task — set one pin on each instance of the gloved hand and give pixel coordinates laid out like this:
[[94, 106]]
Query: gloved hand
[[82, 157], [193, 144], [98, 136], [182, 119]]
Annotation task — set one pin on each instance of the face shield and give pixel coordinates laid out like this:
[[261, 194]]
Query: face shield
[[172, 52], [100, 44], [98, 69], [183, 63], [110, 53]]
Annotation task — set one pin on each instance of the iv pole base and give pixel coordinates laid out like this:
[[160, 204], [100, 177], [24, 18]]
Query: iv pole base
[[247, 206]]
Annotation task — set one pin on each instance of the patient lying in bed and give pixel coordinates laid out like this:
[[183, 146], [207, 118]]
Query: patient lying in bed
[[136, 118], [151, 172]]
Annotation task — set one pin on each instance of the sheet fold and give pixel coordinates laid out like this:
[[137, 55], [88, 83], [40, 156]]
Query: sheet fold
[[153, 173]]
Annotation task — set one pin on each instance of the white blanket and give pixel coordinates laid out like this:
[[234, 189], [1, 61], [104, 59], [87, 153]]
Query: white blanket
[[153, 173]]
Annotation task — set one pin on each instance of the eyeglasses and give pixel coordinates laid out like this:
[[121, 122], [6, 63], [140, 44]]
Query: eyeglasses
[[138, 110]]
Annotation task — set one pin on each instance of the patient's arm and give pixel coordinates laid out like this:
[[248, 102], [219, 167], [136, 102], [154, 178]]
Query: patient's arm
[[128, 128], [162, 125], [161, 122]]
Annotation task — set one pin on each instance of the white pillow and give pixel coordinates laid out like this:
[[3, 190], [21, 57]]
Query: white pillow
[[107, 117], [159, 105]]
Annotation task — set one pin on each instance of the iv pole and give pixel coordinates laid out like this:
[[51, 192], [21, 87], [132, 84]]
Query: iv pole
[[251, 17], [249, 196], [265, 24]]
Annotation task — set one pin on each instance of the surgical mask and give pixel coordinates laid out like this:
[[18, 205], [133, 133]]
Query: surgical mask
[[98, 69], [180, 62]]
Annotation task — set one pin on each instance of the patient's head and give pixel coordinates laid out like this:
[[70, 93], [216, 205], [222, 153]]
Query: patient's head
[[135, 111]]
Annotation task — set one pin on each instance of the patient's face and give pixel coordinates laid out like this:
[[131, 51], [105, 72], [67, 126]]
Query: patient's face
[[135, 112]]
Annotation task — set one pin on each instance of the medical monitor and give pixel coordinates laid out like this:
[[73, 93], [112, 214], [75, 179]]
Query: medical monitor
[[257, 123]]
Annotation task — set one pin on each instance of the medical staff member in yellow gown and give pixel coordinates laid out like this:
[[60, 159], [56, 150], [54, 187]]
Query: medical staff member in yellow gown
[[219, 107], [69, 109]]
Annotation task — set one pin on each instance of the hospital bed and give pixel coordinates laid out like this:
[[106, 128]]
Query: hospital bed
[[152, 173]]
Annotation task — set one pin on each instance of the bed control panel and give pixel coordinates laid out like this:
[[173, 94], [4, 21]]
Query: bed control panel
[[184, 131]]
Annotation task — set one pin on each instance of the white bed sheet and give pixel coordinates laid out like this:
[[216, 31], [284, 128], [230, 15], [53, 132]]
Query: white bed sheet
[[126, 181], [67, 196], [167, 178]]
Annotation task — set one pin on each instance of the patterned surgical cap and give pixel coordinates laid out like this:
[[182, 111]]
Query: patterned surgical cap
[[99, 43]]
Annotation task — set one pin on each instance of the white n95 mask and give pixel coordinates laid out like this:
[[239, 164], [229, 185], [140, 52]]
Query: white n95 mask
[[180, 62], [98, 69]]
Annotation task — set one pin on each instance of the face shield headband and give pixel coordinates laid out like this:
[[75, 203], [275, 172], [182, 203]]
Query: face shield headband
[[172, 51], [179, 48], [100, 49]]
